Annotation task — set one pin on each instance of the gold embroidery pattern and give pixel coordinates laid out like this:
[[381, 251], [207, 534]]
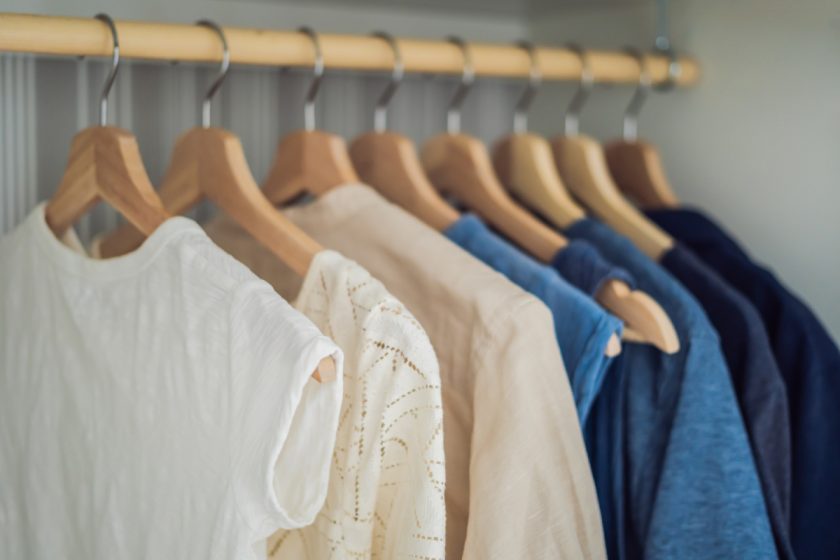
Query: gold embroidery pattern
[[387, 476]]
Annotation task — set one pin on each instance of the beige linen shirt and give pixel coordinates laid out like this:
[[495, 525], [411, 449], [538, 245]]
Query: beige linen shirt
[[518, 482]]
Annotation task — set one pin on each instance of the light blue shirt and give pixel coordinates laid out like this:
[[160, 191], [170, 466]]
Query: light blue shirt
[[581, 327]]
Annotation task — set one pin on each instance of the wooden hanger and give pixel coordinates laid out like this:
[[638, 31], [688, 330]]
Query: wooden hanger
[[388, 161], [105, 164], [636, 165], [525, 165], [309, 160], [210, 163], [524, 162], [582, 165], [459, 164]]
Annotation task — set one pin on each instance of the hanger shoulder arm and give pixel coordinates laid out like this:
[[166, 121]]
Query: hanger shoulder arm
[[638, 171], [641, 313], [388, 162]]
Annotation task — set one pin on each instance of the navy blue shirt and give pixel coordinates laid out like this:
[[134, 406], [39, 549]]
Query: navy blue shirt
[[810, 364], [669, 451]]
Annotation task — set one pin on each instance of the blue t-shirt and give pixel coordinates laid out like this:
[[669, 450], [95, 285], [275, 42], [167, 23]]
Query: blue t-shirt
[[581, 327], [809, 361], [580, 264], [682, 481]]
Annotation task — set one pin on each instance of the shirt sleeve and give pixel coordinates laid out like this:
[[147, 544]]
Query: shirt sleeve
[[531, 489], [285, 421]]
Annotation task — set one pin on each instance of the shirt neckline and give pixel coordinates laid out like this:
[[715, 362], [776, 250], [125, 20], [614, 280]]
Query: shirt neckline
[[79, 264]]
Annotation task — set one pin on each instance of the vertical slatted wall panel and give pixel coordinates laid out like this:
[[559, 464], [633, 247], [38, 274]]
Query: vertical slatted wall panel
[[44, 102]]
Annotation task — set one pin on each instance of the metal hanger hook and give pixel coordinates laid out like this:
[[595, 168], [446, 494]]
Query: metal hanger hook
[[380, 114], [630, 128], [223, 70], [674, 67], [662, 45], [112, 75], [585, 85], [317, 74], [453, 111], [520, 114]]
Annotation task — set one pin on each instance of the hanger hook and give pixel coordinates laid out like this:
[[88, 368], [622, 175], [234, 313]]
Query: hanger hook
[[674, 67], [453, 112], [112, 75], [520, 115], [223, 70], [662, 45], [585, 85], [630, 129], [317, 74], [380, 114]]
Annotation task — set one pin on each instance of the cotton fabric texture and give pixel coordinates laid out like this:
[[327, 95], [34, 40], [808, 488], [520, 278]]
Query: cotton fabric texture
[[809, 361], [581, 327], [387, 474], [759, 386], [156, 405], [682, 481], [518, 483]]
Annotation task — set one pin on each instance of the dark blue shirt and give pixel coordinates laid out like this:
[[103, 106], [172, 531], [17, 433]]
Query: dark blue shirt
[[670, 454], [810, 364], [581, 327], [580, 263]]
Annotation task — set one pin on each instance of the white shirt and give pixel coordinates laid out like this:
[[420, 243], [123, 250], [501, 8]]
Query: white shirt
[[155, 405], [387, 479]]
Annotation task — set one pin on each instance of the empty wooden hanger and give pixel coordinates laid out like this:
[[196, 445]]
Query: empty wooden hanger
[[581, 162], [210, 163], [526, 167], [460, 165], [309, 160], [635, 164], [388, 161], [105, 164]]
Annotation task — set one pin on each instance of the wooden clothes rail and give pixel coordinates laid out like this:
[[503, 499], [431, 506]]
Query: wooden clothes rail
[[35, 34]]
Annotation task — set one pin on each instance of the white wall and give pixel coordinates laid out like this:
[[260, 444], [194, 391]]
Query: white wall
[[757, 142]]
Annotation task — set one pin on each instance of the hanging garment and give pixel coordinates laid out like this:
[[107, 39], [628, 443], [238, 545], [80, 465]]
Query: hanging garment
[[684, 471], [582, 266], [581, 327], [387, 478], [759, 387], [809, 361], [518, 483], [155, 405]]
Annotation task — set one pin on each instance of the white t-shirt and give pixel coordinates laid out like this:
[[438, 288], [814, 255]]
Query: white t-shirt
[[387, 479], [157, 405]]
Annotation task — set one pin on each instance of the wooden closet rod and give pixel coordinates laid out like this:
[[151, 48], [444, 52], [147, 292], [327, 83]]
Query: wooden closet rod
[[190, 43]]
